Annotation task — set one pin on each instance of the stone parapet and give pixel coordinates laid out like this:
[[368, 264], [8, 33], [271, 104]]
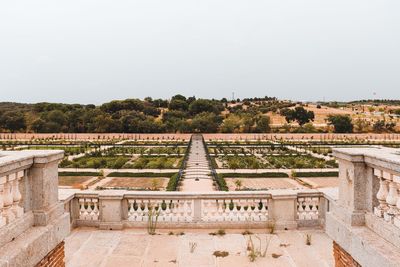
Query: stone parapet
[[32, 220], [363, 221], [116, 209]]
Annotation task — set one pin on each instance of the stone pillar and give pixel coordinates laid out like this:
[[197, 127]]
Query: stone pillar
[[43, 177], [111, 212], [354, 180], [283, 210]]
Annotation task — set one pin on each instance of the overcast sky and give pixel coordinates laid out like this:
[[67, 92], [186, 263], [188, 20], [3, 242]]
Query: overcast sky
[[79, 51]]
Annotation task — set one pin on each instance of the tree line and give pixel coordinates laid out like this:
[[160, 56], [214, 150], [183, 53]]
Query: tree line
[[178, 114]]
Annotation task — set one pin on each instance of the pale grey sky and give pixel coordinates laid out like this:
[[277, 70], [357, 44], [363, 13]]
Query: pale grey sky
[[94, 51]]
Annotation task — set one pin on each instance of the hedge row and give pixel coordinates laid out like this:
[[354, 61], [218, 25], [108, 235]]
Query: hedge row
[[317, 174], [255, 175], [173, 182], [79, 174], [141, 174], [221, 183]]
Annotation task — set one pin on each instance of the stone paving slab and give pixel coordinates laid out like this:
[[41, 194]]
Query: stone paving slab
[[131, 247]]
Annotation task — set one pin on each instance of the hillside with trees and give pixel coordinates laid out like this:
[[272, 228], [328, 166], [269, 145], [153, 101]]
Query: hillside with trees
[[182, 114]]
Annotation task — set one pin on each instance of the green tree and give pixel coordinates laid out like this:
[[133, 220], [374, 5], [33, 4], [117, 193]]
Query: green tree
[[341, 123], [298, 114], [13, 121], [205, 105], [231, 124], [263, 124], [205, 122]]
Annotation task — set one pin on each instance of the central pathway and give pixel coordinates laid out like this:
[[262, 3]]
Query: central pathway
[[197, 175]]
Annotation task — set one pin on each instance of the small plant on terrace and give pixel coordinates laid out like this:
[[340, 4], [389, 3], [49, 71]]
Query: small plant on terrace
[[192, 246], [271, 227], [308, 239], [222, 254], [255, 252], [152, 221]]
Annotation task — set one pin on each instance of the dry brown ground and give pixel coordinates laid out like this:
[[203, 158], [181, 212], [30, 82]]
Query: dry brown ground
[[263, 183], [73, 180], [321, 114], [137, 182], [320, 182]]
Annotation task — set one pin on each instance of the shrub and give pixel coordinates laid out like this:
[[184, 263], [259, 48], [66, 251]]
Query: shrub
[[79, 174], [221, 183], [173, 182], [317, 174]]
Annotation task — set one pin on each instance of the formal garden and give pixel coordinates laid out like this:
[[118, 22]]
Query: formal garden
[[292, 161]]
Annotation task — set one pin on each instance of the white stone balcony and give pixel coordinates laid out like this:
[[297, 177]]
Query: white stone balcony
[[360, 219]]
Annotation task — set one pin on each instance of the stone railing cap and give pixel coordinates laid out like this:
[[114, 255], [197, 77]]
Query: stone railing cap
[[15, 160], [379, 156]]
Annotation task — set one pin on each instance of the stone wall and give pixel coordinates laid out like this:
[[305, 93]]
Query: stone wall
[[55, 258], [342, 258]]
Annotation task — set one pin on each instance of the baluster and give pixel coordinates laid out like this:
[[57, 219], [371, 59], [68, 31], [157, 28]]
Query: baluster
[[314, 209], [205, 206], [82, 210], [242, 216], [167, 211], [221, 210], [264, 210], [8, 201], [189, 211], [147, 208], [160, 211], [131, 210], [95, 212], [18, 211], [230, 210], [174, 210], [2, 218], [381, 196], [252, 210], [214, 210], [397, 218], [391, 200], [89, 210], [308, 203], [300, 208]]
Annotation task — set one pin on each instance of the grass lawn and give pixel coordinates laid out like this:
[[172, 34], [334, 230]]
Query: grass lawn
[[96, 162], [155, 162]]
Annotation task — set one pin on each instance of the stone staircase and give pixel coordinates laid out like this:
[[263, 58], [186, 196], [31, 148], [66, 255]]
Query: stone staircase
[[197, 174]]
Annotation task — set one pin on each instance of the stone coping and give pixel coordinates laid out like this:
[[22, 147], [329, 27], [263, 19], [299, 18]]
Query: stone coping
[[378, 157], [19, 160], [68, 194]]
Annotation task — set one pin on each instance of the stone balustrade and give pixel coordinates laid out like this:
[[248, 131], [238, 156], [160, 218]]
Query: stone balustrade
[[388, 196], [32, 220], [10, 197], [365, 219], [117, 209], [308, 208]]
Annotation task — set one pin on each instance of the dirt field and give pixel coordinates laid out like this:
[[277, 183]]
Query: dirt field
[[138, 182], [320, 114], [319, 182], [75, 181], [263, 183]]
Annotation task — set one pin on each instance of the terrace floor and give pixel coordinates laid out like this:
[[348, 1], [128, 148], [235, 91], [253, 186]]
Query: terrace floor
[[131, 247]]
